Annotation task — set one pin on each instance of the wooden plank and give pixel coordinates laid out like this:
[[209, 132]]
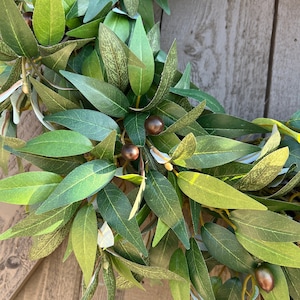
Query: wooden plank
[[227, 44], [285, 89]]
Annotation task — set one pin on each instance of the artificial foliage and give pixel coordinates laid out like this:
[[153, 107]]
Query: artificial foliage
[[143, 173]]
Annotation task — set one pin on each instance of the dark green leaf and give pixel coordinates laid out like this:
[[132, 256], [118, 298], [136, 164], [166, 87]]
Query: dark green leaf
[[92, 66], [165, 142], [88, 30], [92, 287], [96, 7], [109, 277], [195, 208], [164, 5], [131, 6], [78, 9], [134, 125], [292, 276], [231, 289], [278, 205], [6, 53], [14, 75]]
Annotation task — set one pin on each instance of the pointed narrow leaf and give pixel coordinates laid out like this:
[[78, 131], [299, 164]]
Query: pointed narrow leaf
[[231, 289], [119, 24], [272, 142], [6, 53], [115, 208], [92, 66], [92, 287], [109, 277], [186, 148], [134, 125], [84, 240], [292, 276], [87, 30], [95, 8], [160, 231], [81, 183], [213, 192], [131, 6], [154, 38], [104, 96]]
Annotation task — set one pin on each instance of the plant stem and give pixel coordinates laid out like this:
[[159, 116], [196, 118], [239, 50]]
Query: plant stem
[[244, 289], [138, 100]]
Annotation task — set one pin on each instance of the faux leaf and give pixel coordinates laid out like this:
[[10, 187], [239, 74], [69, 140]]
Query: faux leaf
[[84, 240], [81, 183], [164, 5], [92, 66], [131, 6], [92, 287], [109, 277], [272, 142], [223, 246], [6, 53], [119, 24], [58, 143], [87, 30], [134, 125], [213, 192], [292, 276], [266, 225], [154, 38], [95, 8], [231, 289], [186, 148], [115, 208], [14, 31], [104, 96]]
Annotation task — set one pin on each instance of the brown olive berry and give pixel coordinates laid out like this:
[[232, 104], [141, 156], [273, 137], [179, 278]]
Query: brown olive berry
[[28, 18], [130, 152], [154, 125], [264, 278]]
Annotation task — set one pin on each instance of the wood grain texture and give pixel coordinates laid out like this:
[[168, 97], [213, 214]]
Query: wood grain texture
[[227, 44], [285, 89]]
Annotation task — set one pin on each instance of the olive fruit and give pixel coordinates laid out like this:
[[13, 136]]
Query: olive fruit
[[154, 125], [264, 278], [130, 152], [28, 18]]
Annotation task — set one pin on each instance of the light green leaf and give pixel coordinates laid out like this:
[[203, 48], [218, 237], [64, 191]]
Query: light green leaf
[[78, 9], [178, 264], [92, 66], [185, 80], [58, 143], [266, 225], [119, 24], [14, 31], [277, 253], [93, 124], [96, 8], [104, 96], [224, 247], [84, 233], [213, 192], [272, 142], [292, 276], [134, 178], [81, 183], [160, 231], [186, 148], [198, 271], [162, 198], [138, 199], [153, 36], [87, 30], [141, 78], [115, 208], [134, 126], [131, 6], [46, 223], [265, 171], [231, 289], [6, 53], [48, 21], [28, 188]]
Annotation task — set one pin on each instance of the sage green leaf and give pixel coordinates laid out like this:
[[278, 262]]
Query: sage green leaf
[[115, 208], [92, 287], [28, 188], [141, 78], [164, 5], [212, 151], [265, 171], [119, 24], [53, 101], [187, 119], [231, 289], [165, 142], [78, 9], [213, 192], [280, 290], [14, 31], [134, 126], [48, 21], [292, 276], [162, 199], [278, 253], [104, 96], [146, 10], [14, 75], [44, 245], [185, 148], [114, 57], [93, 124], [81, 183], [84, 234], [6, 53], [185, 79], [266, 225], [198, 271], [58, 143], [45, 223], [160, 231], [272, 142], [225, 248], [178, 264], [87, 30], [131, 7], [153, 36], [134, 178], [96, 8], [109, 277], [195, 208], [166, 80], [198, 95], [105, 149], [92, 66]]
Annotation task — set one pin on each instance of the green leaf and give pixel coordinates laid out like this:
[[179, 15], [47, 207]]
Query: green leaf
[[160, 231], [212, 151], [231, 289], [185, 148], [178, 264], [141, 78], [265, 171], [278, 205], [153, 36], [131, 6], [164, 5], [278, 253], [81, 183], [14, 75], [14, 31], [213, 192], [272, 142], [195, 208], [92, 287], [96, 8], [162, 199], [147, 12], [84, 234], [104, 96], [93, 124], [53, 101], [198, 271], [92, 66], [114, 57], [115, 208], [224, 247], [46, 223], [266, 225], [165, 142], [134, 178], [6, 53], [28, 188], [78, 9], [48, 21], [292, 276], [134, 126], [109, 277], [87, 30], [58, 143], [185, 80]]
